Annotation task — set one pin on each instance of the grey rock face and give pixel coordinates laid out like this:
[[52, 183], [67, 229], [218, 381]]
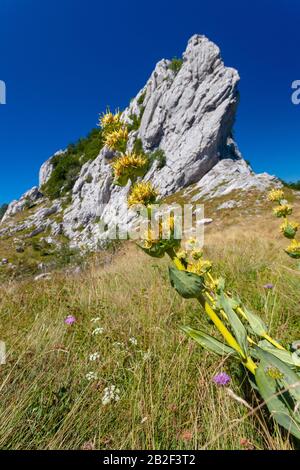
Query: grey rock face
[[230, 175], [45, 172], [37, 222], [47, 168], [28, 198], [188, 115]]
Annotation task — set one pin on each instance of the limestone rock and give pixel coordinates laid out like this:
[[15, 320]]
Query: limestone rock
[[28, 198], [188, 115], [228, 176], [47, 168]]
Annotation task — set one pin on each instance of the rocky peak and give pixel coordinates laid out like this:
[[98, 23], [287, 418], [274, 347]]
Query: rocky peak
[[189, 115]]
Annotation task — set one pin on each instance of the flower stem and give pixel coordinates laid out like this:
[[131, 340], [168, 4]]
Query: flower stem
[[179, 265], [242, 313], [247, 361]]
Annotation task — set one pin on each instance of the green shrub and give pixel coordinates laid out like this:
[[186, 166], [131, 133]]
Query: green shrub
[[295, 185], [175, 64], [3, 209], [135, 120], [160, 156], [67, 166], [138, 147], [141, 99], [65, 255]]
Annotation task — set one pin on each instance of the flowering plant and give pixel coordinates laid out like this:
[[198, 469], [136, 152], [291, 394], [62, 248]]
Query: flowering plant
[[244, 336], [288, 228]]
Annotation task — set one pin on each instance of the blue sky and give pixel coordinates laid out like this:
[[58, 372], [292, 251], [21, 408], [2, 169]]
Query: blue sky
[[64, 61]]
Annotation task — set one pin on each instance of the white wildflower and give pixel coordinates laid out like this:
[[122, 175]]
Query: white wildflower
[[133, 341], [94, 356], [91, 375], [98, 331], [146, 356], [110, 393]]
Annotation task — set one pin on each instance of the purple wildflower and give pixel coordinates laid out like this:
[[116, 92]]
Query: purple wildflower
[[221, 379], [268, 286], [70, 319]]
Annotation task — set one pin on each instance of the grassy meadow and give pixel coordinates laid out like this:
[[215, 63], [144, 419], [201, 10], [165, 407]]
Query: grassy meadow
[[127, 317]]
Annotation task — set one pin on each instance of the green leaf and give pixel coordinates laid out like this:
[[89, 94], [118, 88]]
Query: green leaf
[[208, 342], [121, 181], [237, 326], [295, 255], [290, 378], [289, 231], [284, 356], [256, 323], [188, 285], [277, 400]]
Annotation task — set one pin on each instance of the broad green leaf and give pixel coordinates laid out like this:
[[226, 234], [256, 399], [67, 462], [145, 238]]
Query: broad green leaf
[[296, 359], [188, 285], [140, 171], [290, 378], [256, 323], [237, 326], [253, 384], [276, 402], [208, 342], [121, 180], [289, 231], [284, 356], [295, 255]]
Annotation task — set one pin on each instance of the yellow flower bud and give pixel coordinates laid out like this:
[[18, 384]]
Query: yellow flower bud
[[128, 164], [289, 229], [283, 210], [142, 193], [293, 249], [182, 254], [200, 267], [197, 254], [117, 139], [276, 195]]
